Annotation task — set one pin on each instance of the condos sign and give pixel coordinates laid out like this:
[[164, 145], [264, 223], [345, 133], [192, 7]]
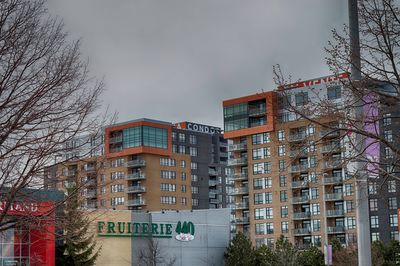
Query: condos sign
[[184, 230], [198, 127]]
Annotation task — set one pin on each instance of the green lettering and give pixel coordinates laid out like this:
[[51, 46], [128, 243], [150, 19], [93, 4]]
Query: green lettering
[[168, 229], [154, 229], [121, 227], [145, 228], [129, 228], [111, 226], [136, 227], [100, 226], [162, 229], [178, 228]]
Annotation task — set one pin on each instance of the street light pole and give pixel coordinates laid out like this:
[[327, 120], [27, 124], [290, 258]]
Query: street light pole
[[362, 208]]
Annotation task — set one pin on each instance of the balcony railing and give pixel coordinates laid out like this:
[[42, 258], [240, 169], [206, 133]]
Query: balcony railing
[[238, 176], [299, 184], [90, 168], [223, 154], [302, 231], [242, 220], [136, 176], [239, 161], [239, 205], [116, 149], [297, 137], [213, 183], [329, 133], [239, 191], [301, 215], [135, 163], [90, 182], [334, 196], [136, 189], [257, 111], [336, 229], [302, 199], [334, 213], [90, 194], [298, 168], [332, 164], [237, 147], [116, 139], [331, 148], [333, 180], [136, 202], [213, 201], [298, 153], [212, 172]]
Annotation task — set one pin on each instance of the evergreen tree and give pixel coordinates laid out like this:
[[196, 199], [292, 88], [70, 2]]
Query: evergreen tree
[[311, 257], [79, 247], [286, 254], [240, 252], [265, 256]]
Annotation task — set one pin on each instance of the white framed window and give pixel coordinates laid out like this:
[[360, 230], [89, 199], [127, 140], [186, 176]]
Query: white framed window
[[391, 186], [374, 221], [281, 150], [281, 135], [393, 220], [373, 204]]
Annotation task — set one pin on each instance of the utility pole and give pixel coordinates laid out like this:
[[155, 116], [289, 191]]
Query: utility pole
[[362, 209]]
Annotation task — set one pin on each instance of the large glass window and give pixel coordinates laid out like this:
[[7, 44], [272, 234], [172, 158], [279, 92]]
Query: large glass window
[[132, 137], [236, 116], [155, 137], [14, 247]]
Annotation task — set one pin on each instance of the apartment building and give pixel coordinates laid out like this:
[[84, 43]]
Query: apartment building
[[291, 177], [151, 165]]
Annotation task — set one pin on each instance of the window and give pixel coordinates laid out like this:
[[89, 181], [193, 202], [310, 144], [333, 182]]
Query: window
[[183, 176], [103, 190], [195, 202], [182, 149], [301, 98], [259, 213], [193, 165], [269, 213], [174, 138], [194, 178], [168, 174], [387, 120], [195, 190], [167, 187], [392, 202], [334, 92], [393, 220], [193, 139], [311, 132], [373, 204], [315, 209], [388, 135], [270, 228], [183, 164], [268, 197], [117, 175], [284, 212], [262, 168], [261, 153], [260, 229], [258, 198], [283, 196], [167, 162], [317, 241], [183, 188], [268, 182], [260, 183], [351, 222], [261, 138], [349, 206], [117, 188], [374, 221], [171, 200], [154, 137], [117, 162], [174, 148], [282, 165], [193, 151], [374, 236], [314, 193], [281, 150], [182, 137], [394, 235], [388, 153], [391, 186], [117, 201], [282, 181], [284, 227], [348, 189], [281, 135], [184, 201], [316, 225], [372, 188]]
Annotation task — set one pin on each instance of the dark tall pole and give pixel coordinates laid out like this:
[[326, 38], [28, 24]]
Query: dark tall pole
[[362, 208]]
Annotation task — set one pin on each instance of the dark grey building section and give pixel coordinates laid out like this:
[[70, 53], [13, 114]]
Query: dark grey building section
[[209, 156]]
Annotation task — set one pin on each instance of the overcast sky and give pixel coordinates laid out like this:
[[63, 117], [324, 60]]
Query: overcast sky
[[177, 60]]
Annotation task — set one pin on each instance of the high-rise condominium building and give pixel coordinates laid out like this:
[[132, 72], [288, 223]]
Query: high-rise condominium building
[[149, 165], [291, 177]]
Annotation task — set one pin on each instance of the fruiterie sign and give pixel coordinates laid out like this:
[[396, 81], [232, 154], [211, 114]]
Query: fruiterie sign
[[184, 230]]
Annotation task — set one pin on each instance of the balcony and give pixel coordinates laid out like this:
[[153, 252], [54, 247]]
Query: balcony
[[136, 176], [117, 139], [116, 149], [89, 168], [212, 193], [334, 213], [90, 182], [223, 154], [331, 148], [212, 172], [299, 200], [213, 183], [237, 147], [70, 173], [297, 137], [238, 176], [90, 205], [300, 184], [301, 215], [135, 163], [242, 220], [136, 202], [136, 189], [213, 201], [257, 111], [333, 180], [298, 153], [298, 168], [239, 161], [336, 229], [333, 196], [239, 205], [90, 194], [330, 133], [239, 191], [333, 164], [302, 231]]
